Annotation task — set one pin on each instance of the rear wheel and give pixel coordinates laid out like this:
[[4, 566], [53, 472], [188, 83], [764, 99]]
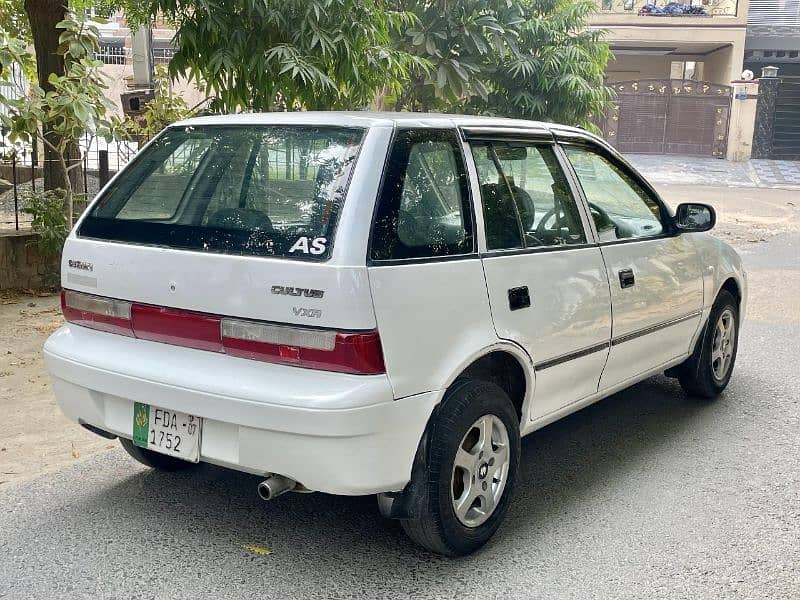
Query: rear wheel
[[154, 460], [473, 455], [707, 372]]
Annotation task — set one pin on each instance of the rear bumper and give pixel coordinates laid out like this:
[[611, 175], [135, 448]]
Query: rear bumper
[[332, 432]]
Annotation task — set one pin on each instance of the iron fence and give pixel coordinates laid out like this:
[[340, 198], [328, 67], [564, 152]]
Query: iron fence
[[113, 54], [22, 172]]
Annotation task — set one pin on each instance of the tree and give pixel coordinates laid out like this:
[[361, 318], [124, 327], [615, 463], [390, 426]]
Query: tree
[[288, 54], [36, 22], [74, 103], [536, 59], [556, 73], [461, 40]]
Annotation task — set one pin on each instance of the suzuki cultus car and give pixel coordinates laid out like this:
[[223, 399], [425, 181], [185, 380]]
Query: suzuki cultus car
[[360, 303]]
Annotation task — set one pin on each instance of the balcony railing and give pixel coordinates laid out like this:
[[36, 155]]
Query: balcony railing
[[665, 9]]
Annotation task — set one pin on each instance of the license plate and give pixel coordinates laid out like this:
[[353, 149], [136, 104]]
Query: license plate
[[167, 431]]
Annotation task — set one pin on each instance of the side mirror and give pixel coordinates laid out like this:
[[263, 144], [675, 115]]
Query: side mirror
[[691, 217]]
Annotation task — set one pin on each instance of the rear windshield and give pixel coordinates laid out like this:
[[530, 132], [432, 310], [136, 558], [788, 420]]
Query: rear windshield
[[255, 190]]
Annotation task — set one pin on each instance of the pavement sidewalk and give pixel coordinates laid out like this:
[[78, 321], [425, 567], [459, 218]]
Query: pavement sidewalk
[[692, 170]]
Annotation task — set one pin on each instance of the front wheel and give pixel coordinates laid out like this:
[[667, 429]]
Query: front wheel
[[473, 456], [707, 372]]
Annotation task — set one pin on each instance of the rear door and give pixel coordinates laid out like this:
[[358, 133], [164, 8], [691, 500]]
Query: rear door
[[424, 269], [545, 277], [655, 277]]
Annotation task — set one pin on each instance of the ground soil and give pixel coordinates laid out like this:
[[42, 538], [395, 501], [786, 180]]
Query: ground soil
[[36, 438]]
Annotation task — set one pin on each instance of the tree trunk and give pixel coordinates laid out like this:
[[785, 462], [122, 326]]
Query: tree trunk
[[43, 16]]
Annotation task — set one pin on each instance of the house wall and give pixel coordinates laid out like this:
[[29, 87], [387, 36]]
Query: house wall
[[627, 66], [742, 120], [725, 65], [721, 66], [722, 37]]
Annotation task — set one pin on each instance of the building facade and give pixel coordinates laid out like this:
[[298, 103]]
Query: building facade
[[673, 68]]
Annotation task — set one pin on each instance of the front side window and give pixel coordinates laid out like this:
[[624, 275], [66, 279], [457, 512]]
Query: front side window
[[254, 190], [527, 202], [423, 209], [620, 207]]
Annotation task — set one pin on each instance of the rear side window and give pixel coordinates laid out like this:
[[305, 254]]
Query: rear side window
[[255, 190], [424, 208]]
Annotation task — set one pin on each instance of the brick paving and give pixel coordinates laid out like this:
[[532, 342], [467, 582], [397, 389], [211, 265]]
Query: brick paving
[[691, 170], [783, 171]]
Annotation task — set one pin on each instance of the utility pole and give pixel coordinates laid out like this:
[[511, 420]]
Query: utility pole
[[142, 55], [140, 88]]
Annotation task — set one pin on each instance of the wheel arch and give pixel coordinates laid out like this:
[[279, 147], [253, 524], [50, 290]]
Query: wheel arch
[[505, 365], [732, 286]]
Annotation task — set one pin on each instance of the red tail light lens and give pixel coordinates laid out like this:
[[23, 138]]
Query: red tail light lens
[[343, 352], [358, 353], [96, 312], [178, 327]]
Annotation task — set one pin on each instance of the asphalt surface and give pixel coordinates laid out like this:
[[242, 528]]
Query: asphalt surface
[[647, 494]]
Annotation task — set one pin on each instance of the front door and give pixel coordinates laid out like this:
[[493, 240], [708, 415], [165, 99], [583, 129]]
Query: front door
[[547, 283], [655, 277]]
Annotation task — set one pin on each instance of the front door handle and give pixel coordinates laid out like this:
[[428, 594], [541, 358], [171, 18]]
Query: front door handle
[[626, 278], [519, 297]]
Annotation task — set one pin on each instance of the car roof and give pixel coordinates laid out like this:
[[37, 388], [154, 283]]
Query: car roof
[[371, 119]]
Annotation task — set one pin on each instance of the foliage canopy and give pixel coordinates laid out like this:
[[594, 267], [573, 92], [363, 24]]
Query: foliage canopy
[[534, 59], [288, 54]]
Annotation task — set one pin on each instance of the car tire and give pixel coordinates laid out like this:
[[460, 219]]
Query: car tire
[[450, 522], [707, 372], [154, 460]]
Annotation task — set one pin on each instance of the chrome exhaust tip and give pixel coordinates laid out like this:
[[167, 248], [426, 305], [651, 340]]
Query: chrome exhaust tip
[[275, 485]]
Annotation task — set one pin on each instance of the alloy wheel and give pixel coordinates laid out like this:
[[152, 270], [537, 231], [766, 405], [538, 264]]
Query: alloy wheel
[[723, 344], [480, 471]]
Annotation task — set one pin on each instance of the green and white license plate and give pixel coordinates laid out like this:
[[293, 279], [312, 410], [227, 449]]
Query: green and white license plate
[[167, 431]]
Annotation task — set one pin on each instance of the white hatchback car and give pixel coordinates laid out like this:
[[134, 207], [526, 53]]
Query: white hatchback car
[[360, 303]]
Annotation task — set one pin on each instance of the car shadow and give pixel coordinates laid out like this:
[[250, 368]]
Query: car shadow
[[561, 466]]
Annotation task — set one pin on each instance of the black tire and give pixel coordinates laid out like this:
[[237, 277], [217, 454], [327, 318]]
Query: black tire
[[696, 375], [437, 527], [154, 460]]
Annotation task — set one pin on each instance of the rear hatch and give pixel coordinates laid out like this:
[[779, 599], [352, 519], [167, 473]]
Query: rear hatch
[[227, 221]]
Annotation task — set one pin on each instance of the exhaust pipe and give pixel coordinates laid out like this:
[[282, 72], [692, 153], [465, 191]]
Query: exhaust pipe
[[275, 485]]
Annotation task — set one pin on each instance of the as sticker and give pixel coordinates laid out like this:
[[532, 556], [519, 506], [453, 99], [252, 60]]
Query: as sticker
[[307, 245]]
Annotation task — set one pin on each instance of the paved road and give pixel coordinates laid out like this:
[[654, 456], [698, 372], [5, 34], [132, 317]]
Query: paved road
[[705, 171], [647, 494]]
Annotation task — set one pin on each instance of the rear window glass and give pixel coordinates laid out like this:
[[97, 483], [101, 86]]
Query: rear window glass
[[256, 190]]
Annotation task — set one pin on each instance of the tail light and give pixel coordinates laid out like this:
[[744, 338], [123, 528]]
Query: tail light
[[312, 348], [177, 327], [105, 314], [324, 349]]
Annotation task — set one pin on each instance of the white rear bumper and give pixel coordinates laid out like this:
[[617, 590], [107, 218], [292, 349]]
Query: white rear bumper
[[332, 432]]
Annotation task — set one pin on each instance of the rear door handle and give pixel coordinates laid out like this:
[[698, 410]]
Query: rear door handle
[[626, 278], [519, 297]]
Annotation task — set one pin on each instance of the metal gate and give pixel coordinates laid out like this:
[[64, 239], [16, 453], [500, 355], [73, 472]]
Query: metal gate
[[669, 116], [786, 130]]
